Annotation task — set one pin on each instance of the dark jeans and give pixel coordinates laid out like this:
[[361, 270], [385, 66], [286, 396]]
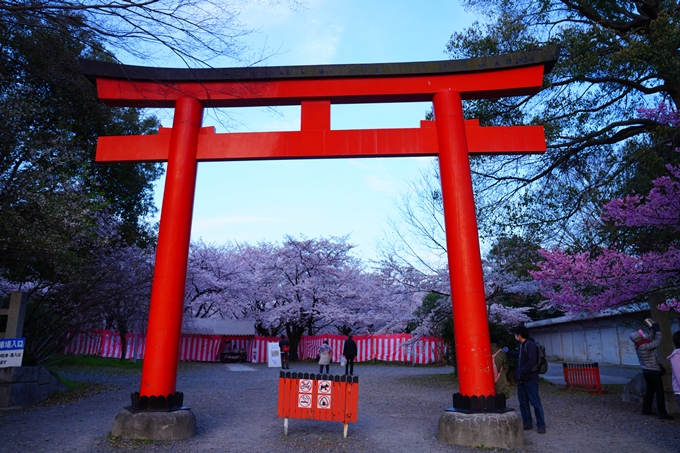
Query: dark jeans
[[284, 361], [349, 367], [527, 393], [654, 387], [328, 369]]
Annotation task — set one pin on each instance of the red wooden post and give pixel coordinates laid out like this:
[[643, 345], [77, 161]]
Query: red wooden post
[[159, 372], [315, 115], [470, 322]]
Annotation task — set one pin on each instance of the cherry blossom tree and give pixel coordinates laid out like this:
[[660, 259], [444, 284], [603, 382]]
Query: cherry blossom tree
[[218, 279], [591, 282], [500, 286], [124, 291], [301, 286], [383, 306], [311, 286], [432, 290], [316, 282]]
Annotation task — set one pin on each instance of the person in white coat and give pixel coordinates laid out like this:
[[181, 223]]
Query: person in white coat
[[645, 347], [325, 354], [674, 360]]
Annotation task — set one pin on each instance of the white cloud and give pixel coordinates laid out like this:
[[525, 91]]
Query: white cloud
[[320, 44], [381, 184], [261, 15], [312, 33]]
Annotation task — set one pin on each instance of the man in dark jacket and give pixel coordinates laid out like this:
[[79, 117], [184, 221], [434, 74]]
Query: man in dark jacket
[[527, 379], [349, 350], [284, 345]]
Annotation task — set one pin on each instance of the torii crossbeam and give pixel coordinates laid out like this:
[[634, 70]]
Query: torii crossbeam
[[315, 88]]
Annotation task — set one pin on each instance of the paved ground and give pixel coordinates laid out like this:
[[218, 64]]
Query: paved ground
[[399, 407]]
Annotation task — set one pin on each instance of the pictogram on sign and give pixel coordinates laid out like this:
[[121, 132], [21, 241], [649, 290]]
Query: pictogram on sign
[[305, 401], [323, 402], [306, 386], [324, 387]]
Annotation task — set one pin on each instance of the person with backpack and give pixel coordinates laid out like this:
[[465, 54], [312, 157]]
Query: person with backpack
[[527, 379], [500, 367]]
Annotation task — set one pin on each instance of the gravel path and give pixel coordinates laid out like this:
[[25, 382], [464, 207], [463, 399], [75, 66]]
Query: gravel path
[[399, 407]]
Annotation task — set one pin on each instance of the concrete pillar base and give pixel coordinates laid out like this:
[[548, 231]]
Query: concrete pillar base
[[482, 429], [173, 425]]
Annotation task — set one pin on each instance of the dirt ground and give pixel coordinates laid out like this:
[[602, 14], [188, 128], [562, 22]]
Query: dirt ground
[[399, 408]]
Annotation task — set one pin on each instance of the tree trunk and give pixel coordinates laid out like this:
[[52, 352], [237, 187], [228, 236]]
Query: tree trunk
[[294, 336], [123, 342]]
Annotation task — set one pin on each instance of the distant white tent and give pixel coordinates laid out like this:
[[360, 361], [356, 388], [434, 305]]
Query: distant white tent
[[215, 326]]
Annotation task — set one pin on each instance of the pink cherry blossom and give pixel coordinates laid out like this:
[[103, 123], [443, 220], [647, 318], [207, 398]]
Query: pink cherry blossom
[[576, 282]]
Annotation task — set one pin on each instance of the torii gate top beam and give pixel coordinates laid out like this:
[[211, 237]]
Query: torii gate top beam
[[475, 78]]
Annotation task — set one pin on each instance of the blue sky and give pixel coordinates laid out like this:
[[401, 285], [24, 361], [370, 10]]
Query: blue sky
[[256, 201]]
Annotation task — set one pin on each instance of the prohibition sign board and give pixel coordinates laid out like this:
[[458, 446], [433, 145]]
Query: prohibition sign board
[[323, 402], [306, 386], [305, 401], [324, 388]]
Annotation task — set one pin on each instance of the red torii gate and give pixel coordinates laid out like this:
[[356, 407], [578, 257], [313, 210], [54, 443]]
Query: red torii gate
[[315, 88]]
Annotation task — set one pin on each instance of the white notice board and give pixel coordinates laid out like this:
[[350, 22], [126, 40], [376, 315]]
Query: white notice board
[[273, 355]]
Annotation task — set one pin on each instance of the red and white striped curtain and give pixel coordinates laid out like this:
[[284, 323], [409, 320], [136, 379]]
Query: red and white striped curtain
[[309, 346], [84, 343], [199, 348], [207, 348], [428, 350], [387, 348], [258, 350]]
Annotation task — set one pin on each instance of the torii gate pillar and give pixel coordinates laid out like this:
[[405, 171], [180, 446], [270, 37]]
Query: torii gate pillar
[[470, 320], [170, 271]]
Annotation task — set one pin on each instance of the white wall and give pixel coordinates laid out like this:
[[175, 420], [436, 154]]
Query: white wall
[[604, 341]]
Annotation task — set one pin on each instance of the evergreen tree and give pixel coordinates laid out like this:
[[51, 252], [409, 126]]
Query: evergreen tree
[[615, 56]]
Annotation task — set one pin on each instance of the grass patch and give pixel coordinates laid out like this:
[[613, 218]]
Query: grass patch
[[77, 391], [432, 380], [92, 361], [71, 384]]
